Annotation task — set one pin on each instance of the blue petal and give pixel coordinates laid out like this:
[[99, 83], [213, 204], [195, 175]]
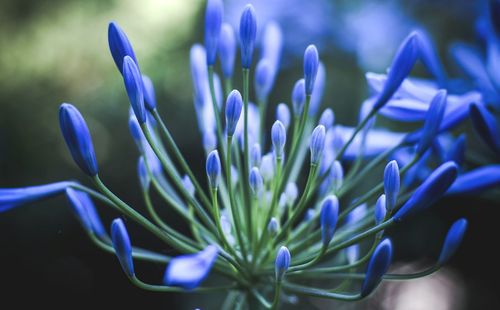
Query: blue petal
[[187, 271], [86, 212], [477, 180]]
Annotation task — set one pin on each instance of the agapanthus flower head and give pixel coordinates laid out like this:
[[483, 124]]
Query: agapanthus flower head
[[263, 79], [452, 241], [85, 211], [327, 118], [149, 93], [134, 86], [234, 104], [122, 246], [78, 139], [432, 121], [486, 126], [188, 271], [119, 45], [391, 184], [213, 22], [317, 144], [402, 63], [431, 189], [13, 197], [213, 169], [298, 97], [380, 209], [281, 263], [328, 218], [311, 63], [248, 32], [377, 267], [227, 49], [256, 181], [278, 138], [283, 114]]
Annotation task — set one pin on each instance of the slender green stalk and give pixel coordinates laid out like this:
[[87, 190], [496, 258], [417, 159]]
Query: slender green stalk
[[277, 291], [163, 288], [234, 210], [246, 172], [316, 292]]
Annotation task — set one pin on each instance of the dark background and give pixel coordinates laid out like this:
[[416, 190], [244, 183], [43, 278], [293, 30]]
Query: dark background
[[56, 51]]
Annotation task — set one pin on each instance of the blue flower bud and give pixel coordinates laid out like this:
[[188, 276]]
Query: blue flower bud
[[255, 155], [271, 47], [432, 189], [328, 219], [263, 80], [142, 172], [432, 122], [377, 267], [291, 193], [213, 168], [403, 62], [233, 111], [188, 271], [188, 185], [273, 226], [456, 152], [119, 45], [282, 263], [311, 63], [283, 114], [452, 241], [298, 97], [380, 209], [319, 87], [430, 58], [485, 125], [317, 143], [267, 167], [85, 211], [122, 246], [13, 197], [213, 21], [477, 180], [133, 84], [209, 141], [77, 137], [248, 32], [391, 184], [149, 93], [327, 118], [278, 137], [227, 50], [136, 132], [199, 73], [256, 182]]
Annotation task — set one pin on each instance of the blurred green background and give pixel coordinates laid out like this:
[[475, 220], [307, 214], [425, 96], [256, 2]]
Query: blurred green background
[[56, 51]]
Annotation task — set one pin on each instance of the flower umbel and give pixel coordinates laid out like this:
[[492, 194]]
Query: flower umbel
[[305, 187]]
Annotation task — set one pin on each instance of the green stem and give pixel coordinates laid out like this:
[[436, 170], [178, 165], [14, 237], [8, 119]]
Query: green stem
[[276, 299]]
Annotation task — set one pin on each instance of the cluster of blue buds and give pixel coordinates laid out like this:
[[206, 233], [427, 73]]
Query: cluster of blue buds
[[261, 224]]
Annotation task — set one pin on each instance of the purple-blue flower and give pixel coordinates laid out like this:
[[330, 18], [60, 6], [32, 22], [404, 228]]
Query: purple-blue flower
[[317, 144], [283, 114], [311, 63], [282, 262], [85, 211], [188, 271], [13, 197], [428, 192], [133, 84], [452, 241], [149, 93], [213, 21], [227, 50], [433, 119], [477, 180], [234, 104], [78, 139], [122, 246], [391, 184], [213, 168], [328, 219], [278, 138], [298, 97], [377, 267], [119, 45], [248, 32]]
